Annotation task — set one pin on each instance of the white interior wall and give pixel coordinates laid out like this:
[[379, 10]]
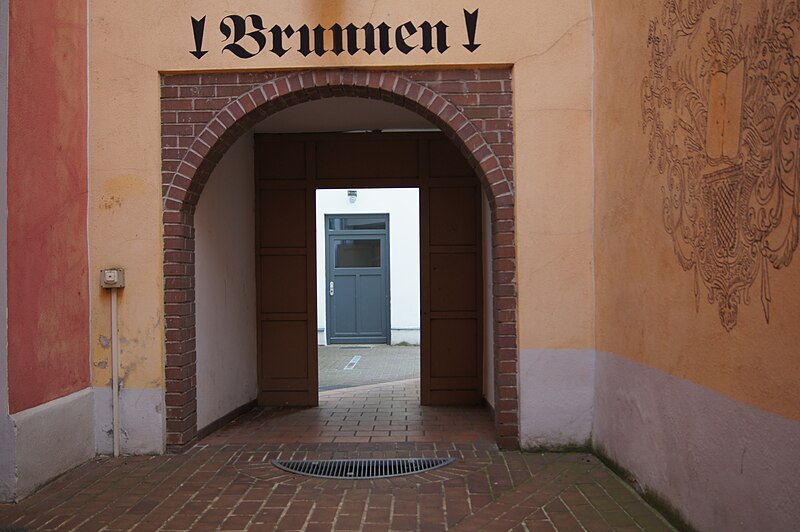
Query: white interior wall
[[226, 287], [402, 204], [488, 304]]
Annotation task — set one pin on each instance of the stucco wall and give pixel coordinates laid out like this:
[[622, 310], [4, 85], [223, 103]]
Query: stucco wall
[[226, 287], [690, 141], [46, 409], [7, 436], [553, 160], [402, 205], [47, 249], [550, 49]]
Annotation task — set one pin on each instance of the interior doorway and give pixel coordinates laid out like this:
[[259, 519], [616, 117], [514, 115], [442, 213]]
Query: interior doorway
[[369, 318], [289, 170], [392, 216]]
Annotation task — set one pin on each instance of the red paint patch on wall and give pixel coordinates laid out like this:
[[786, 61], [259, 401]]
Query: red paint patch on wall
[[48, 305]]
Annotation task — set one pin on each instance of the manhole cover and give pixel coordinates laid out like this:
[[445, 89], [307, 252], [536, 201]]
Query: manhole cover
[[361, 469]]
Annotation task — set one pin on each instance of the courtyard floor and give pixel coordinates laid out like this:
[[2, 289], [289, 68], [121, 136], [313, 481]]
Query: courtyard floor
[[344, 366], [227, 482]]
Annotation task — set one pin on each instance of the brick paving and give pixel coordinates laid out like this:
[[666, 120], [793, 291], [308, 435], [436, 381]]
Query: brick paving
[[383, 413], [226, 481], [234, 487]]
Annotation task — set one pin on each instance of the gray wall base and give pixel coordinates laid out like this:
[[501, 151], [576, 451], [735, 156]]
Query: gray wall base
[[52, 438], [556, 388], [723, 464], [142, 421]]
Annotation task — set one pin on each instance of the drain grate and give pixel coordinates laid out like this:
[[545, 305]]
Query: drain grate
[[362, 469]]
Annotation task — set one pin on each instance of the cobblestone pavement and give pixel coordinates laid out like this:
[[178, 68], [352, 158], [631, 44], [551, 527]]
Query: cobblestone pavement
[[377, 363], [226, 482]]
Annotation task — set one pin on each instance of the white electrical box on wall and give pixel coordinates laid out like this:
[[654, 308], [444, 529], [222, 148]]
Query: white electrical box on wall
[[112, 278]]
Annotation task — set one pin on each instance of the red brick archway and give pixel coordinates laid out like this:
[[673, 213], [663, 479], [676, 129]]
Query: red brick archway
[[202, 115]]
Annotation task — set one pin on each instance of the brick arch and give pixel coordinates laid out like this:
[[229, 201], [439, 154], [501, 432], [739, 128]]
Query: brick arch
[[204, 114]]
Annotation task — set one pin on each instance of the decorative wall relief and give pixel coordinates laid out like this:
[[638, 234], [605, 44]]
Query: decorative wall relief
[[721, 107]]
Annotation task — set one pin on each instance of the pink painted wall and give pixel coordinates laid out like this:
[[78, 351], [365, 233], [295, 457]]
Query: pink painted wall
[[47, 190]]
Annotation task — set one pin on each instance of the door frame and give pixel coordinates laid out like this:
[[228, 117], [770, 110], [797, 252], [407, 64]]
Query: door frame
[[435, 166], [385, 267]]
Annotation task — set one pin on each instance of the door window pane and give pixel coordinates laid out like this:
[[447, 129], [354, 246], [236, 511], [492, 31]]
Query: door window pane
[[356, 224], [357, 253]]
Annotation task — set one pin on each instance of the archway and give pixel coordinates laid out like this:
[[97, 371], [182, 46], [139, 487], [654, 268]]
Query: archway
[[203, 114]]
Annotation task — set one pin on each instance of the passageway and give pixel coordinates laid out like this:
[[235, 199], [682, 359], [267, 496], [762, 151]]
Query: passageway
[[379, 413]]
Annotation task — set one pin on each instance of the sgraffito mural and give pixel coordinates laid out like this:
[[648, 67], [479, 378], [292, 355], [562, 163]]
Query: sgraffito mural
[[721, 107]]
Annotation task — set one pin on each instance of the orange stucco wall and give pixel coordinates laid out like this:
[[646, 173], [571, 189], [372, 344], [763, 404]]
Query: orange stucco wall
[[651, 308], [47, 164], [549, 48]]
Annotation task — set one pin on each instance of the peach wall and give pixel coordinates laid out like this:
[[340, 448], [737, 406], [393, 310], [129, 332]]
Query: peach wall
[[550, 48], [47, 163], [553, 157], [646, 306], [696, 121]]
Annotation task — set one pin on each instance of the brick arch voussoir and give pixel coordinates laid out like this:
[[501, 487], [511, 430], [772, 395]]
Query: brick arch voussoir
[[239, 115]]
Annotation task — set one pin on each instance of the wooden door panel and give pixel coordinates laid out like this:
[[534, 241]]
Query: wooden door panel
[[280, 342], [447, 161], [282, 218], [452, 336], [453, 218], [355, 157], [287, 358], [453, 282], [274, 396], [454, 396], [454, 341], [283, 284], [280, 160]]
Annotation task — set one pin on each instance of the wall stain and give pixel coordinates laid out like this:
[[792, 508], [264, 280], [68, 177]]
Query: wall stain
[[109, 201]]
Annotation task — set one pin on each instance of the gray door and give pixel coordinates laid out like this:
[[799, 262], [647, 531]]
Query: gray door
[[357, 279]]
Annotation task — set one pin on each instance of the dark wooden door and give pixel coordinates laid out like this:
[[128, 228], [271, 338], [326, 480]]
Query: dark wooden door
[[289, 170], [286, 262], [452, 280]]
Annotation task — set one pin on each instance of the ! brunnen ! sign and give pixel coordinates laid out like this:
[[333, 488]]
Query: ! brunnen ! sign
[[248, 36]]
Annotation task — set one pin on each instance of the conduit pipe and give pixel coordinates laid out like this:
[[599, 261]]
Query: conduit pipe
[[115, 370], [114, 279]]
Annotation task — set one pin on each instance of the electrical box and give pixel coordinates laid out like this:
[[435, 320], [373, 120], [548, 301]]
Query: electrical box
[[112, 278]]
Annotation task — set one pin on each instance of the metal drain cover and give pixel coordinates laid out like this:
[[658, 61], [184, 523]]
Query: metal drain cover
[[362, 469]]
